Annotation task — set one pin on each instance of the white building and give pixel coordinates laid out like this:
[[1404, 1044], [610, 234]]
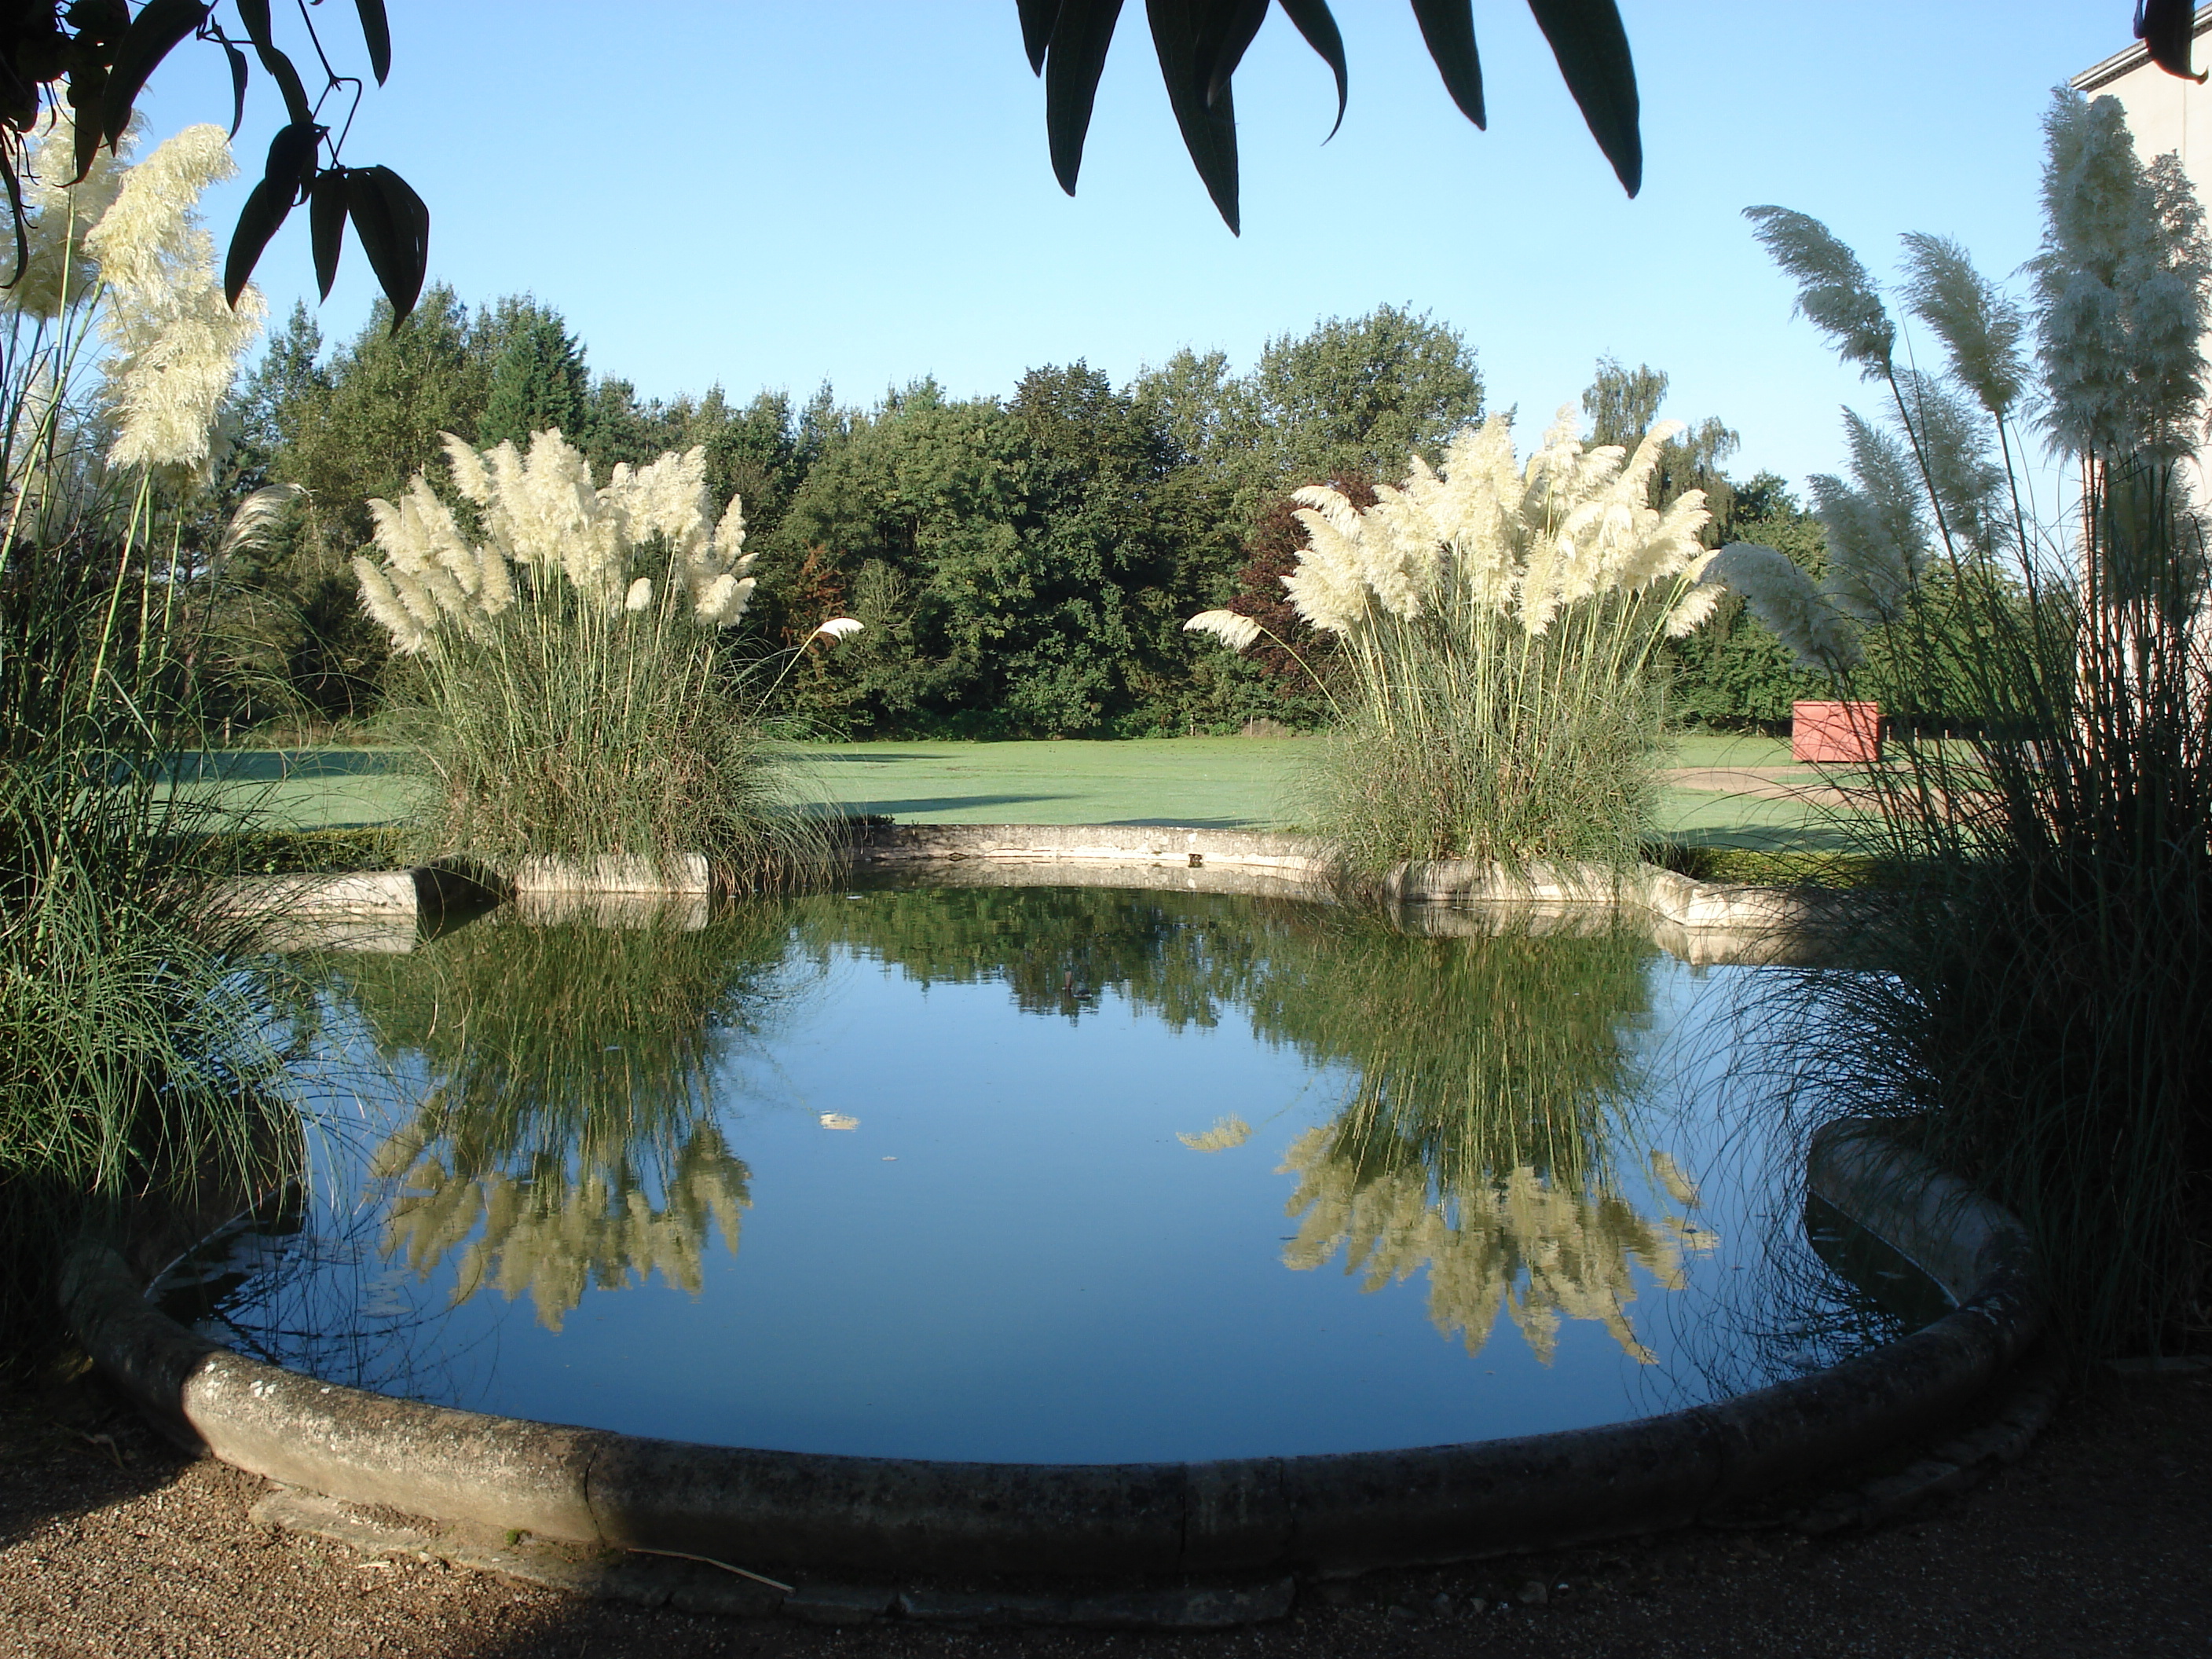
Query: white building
[[2165, 112]]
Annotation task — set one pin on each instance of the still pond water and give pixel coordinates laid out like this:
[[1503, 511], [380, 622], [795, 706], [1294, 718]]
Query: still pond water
[[1037, 1173]]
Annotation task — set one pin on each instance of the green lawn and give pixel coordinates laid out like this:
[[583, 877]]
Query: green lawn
[[1206, 782], [305, 788], [1220, 783]]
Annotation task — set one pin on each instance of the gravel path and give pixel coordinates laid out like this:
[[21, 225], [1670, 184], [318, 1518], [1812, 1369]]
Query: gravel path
[[2099, 1542]]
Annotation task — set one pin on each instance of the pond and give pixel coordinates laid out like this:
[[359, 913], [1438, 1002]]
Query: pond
[[1038, 1174]]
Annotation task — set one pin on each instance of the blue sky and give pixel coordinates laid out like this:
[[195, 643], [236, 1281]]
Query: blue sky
[[767, 195]]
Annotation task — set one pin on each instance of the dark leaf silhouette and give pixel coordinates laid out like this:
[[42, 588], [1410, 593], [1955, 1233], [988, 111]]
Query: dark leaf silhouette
[[237, 86], [1447, 31], [327, 219], [2167, 28], [1075, 55], [291, 162], [153, 34], [254, 13], [266, 209], [1314, 21], [1592, 48], [394, 227], [1201, 42], [376, 34], [1209, 128], [1223, 30]]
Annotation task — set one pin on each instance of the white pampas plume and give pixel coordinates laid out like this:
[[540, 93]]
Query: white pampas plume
[[382, 603], [840, 628], [174, 343], [256, 517], [2122, 280], [725, 600], [538, 509], [1980, 326], [1781, 595], [1528, 542], [59, 216], [1235, 632], [1834, 292]]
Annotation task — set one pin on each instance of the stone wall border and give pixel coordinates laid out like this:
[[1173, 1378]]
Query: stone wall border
[[1240, 1517], [1335, 1513], [1699, 922]]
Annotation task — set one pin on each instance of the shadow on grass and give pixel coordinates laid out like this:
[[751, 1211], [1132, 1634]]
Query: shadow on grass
[[278, 765], [1184, 824], [920, 807], [815, 758], [1768, 838]]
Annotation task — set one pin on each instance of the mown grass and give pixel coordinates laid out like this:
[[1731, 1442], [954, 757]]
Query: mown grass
[[1240, 783]]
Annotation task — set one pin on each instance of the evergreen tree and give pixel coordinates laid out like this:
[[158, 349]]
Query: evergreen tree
[[288, 379], [363, 427], [539, 382]]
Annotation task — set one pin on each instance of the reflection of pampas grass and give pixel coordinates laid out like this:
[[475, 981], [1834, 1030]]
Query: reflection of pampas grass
[[1497, 620], [1518, 1241], [1227, 1132]]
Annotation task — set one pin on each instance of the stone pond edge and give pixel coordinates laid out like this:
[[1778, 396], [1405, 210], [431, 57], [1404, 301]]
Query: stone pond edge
[[1699, 922], [1327, 1513]]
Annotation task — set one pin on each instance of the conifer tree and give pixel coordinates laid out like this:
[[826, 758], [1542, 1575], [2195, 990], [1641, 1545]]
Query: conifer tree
[[538, 382]]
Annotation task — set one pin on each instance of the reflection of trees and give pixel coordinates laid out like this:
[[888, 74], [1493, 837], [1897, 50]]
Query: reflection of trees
[[568, 1136], [1056, 949], [1478, 1143]]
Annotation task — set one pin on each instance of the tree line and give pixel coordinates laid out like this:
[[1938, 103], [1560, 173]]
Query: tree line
[[1024, 564]]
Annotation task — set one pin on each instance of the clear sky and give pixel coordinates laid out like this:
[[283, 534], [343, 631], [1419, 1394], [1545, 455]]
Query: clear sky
[[765, 194]]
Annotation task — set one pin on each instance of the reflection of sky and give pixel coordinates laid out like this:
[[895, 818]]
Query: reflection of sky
[[1013, 1257]]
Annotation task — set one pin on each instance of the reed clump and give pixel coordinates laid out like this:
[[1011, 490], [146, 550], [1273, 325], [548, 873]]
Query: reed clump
[[2045, 1032], [567, 670], [133, 1073], [1497, 621]]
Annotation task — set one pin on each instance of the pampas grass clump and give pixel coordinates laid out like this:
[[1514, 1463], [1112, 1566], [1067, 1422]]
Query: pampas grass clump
[[1498, 621], [135, 1073], [2045, 1033], [572, 687]]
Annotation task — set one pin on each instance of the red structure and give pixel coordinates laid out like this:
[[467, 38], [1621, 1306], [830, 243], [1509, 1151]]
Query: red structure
[[1838, 733]]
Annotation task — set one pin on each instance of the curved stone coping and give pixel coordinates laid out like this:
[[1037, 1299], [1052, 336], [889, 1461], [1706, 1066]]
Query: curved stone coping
[[1701, 922], [899, 1515]]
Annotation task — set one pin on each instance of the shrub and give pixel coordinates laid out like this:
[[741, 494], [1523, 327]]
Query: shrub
[[571, 691], [1496, 626]]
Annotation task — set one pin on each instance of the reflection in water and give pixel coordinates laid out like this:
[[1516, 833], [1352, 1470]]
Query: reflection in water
[[981, 1233], [569, 1135], [1493, 1073], [569, 1139], [1516, 1241], [1480, 1139], [1227, 1132]]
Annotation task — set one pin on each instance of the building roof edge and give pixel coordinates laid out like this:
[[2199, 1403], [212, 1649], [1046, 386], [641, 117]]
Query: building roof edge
[[2132, 56]]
